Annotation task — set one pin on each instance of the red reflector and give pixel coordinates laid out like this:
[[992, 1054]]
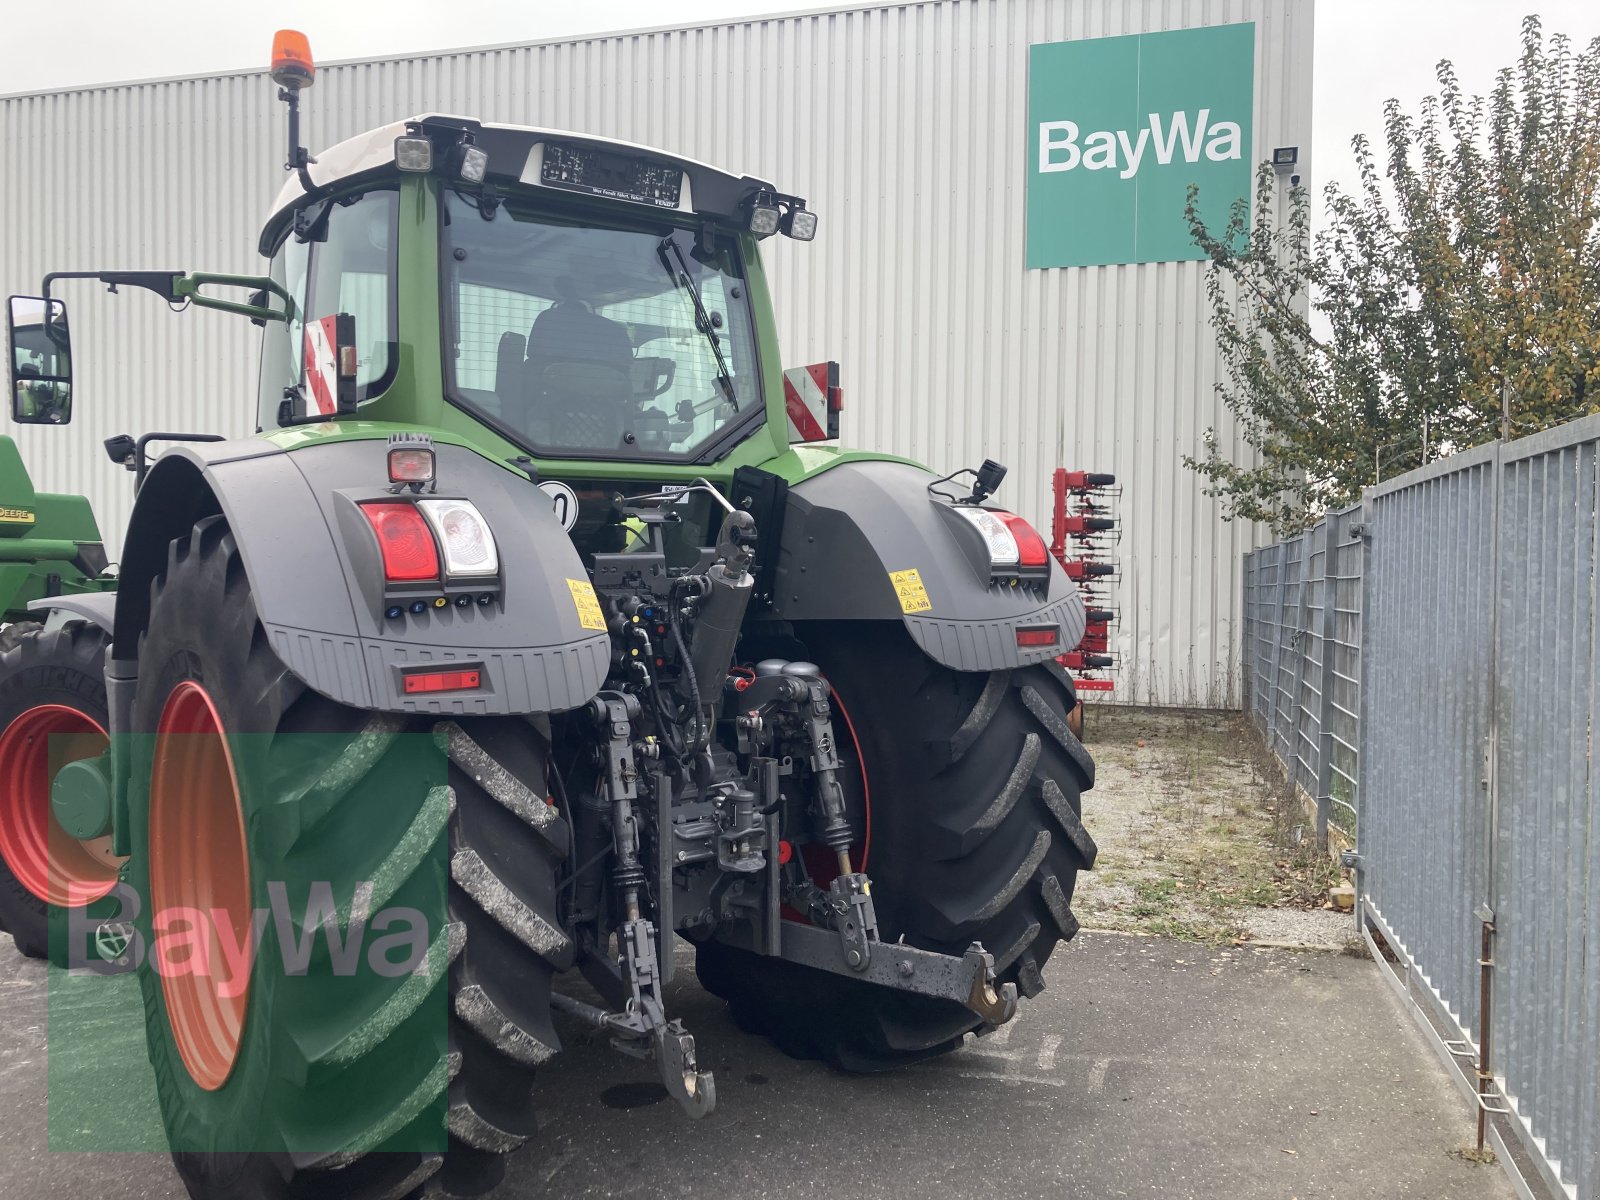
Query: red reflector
[[1031, 550], [1037, 637], [443, 681], [409, 554]]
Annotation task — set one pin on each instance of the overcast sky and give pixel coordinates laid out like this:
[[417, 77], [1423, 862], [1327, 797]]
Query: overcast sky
[[1366, 50]]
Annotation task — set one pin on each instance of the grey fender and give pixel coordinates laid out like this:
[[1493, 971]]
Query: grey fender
[[316, 577], [846, 530], [97, 608]]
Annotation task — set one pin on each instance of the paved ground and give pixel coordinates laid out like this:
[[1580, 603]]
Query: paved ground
[[1149, 1068]]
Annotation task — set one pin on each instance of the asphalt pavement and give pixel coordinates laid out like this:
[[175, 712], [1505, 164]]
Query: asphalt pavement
[[1148, 1068]]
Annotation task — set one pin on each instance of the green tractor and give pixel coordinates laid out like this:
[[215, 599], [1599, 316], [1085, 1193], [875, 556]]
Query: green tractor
[[539, 607], [51, 679]]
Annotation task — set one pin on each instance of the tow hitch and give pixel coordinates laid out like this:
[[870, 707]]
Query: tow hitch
[[968, 980]]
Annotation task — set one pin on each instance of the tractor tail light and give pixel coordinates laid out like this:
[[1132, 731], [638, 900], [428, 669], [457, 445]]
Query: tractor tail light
[[469, 547], [1039, 635], [998, 539], [1031, 551], [409, 552]]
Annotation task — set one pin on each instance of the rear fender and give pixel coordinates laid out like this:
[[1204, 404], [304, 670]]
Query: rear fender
[[309, 565], [847, 530]]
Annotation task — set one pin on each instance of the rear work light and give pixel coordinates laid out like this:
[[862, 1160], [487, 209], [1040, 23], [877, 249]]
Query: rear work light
[[410, 464], [469, 549], [443, 681], [409, 553]]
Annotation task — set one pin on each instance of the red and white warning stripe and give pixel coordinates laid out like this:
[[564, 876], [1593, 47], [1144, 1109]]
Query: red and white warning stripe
[[813, 398], [322, 364]]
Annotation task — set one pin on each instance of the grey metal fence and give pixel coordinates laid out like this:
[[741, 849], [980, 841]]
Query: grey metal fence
[[1428, 667], [1302, 640]]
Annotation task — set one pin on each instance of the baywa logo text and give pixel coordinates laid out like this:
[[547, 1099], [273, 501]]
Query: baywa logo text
[[1188, 135], [207, 943]]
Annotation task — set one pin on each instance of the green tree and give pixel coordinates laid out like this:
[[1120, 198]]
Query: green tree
[[1462, 275]]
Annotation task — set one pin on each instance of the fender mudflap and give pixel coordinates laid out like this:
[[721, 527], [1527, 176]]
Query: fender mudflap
[[866, 541]]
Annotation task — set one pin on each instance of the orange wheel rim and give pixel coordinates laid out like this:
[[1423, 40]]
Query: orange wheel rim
[[199, 864], [45, 858]]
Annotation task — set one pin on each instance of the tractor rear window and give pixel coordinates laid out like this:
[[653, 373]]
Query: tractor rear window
[[581, 341]]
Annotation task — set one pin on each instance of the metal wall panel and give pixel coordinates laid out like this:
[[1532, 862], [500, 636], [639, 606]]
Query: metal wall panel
[[904, 125], [1427, 632], [1546, 884]]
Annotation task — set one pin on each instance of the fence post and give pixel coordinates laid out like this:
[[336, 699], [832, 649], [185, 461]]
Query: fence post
[[1277, 648], [1330, 554], [1298, 645]]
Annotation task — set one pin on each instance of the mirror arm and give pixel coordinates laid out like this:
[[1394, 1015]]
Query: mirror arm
[[189, 288], [162, 283], [176, 287]]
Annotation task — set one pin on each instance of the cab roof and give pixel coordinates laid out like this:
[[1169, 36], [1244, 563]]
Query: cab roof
[[515, 153]]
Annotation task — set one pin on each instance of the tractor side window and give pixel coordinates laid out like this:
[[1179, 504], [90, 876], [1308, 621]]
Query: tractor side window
[[350, 268], [352, 271], [281, 356]]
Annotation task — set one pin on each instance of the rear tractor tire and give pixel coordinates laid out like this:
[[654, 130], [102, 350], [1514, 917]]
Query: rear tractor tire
[[311, 1086], [52, 711], [968, 788], [15, 632]]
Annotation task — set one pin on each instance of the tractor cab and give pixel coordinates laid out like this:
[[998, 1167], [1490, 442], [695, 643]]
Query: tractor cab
[[586, 300]]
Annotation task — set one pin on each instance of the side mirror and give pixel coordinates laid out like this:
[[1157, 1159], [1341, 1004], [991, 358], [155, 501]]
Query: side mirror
[[41, 361]]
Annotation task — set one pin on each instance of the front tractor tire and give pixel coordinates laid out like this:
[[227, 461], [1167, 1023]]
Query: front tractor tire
[[968, 788], [52, 711], [311, 1086]]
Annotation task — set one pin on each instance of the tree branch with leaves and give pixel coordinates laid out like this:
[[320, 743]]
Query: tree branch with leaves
[[1461, 277]]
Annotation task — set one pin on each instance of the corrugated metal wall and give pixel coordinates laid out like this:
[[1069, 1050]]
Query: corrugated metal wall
[[905, 128]]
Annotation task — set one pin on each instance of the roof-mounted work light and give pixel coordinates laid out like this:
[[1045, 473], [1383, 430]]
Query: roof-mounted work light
[[764, 219], [469, 163], [775, 212], [413, 153], [799, 223]]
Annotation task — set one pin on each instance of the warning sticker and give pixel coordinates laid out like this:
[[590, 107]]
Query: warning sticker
[[587, 604], [908, 587]]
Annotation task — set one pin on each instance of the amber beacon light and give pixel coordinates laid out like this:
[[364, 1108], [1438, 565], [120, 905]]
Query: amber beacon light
[[292, 65]]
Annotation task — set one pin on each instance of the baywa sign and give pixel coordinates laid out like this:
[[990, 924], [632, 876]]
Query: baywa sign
[[1118, 128]]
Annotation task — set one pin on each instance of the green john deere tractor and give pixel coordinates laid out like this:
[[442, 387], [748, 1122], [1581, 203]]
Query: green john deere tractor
[[51, 679], [527, 493]]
